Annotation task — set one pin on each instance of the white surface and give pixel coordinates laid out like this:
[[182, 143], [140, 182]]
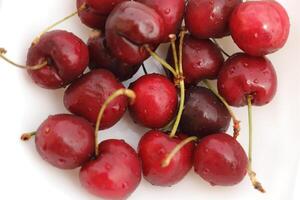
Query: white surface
[[23, 106]]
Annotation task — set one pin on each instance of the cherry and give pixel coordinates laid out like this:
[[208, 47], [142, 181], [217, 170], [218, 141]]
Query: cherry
[[115, 173], [65, 141], [220, 160], [100, 57], [204, 113], [243, 75], [156, 101], [171, 12], [129, 27], [202, 59], [85, 96], [153, 148], [260, 27], [66, 56], [103, 6], [209, 18]]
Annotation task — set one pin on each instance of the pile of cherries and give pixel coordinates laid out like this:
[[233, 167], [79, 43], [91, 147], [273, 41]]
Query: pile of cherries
[[187, 121]]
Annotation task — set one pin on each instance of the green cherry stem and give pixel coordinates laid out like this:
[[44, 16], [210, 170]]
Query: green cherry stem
[[27, 136], [127, 92], [174, 51]]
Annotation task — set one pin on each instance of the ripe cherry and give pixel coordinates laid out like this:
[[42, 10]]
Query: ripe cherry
[[260, 27], [100, 57], [156, 101], [171, 12], [115, 173], [153, 149], [220, 160], [65, 141], [85, 96], [243, 75], [209, 18], [66, 56], [203, 113], [129, 27]]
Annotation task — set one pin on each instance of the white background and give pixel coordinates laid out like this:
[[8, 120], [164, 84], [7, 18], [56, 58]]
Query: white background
[[23, 106]]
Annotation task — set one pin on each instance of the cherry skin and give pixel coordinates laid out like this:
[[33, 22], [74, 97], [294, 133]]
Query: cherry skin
[[115, 174], [100, 57], [260, 27], [172, 13], [65, 141], [243, 75], [204, 113], [220, 160], [130, 26], [103, 6], [156, 101], [67, 57], [154, 147], [209, 18], [202, 59], [85, 96]]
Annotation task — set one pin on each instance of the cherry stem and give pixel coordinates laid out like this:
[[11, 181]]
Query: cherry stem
[[82, 7], [166, 162], [236, 122], [257, 185], [27, 136], [160, 60], [127, 92], [221, 49], [144, 69], [174, 51], [35, 67]]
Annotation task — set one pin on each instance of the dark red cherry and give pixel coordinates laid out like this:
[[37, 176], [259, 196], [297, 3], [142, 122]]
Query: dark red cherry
[[260, 27], [115, 174], [130, 26], [154, 147], [103, 6], [203, 113], [202, 59], [67, 58], [65, 141], [100, 57], [171, 12], [209, 18], [85, 96], [220, 160], [156, 101], [243, 75]]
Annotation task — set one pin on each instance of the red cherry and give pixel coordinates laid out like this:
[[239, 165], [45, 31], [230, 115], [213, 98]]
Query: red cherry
[[220, 160], [243, 75], [67, 58], [115, 174], [130, 26], [171, 12], [85, 96], [103, 6], [260, 27], [154, 147], [156, 101], [209, 18], [65, 141], [100, 57]]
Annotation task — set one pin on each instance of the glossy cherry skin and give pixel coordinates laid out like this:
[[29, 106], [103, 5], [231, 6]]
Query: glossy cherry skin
[[65, 141], [244, 75], [67, 57], [220, 160], [202, 59], [130, 26], [260, 27], [115, 174], [85, 96], [209, 18], [204, 113], [153, 148], [103, 6], [156, 101], [100, 57], [171, 12]]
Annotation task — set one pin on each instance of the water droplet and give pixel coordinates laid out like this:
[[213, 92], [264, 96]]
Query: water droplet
[[246, 64], [167, 11], [256, 81], [125, 185], [255, 35], [47, 130], [200, 63], [205, 171], [206, 150], [212, 16], [232, 166], [108, 166], [222, 86], [162, 151], [61, 161], [248, 82]]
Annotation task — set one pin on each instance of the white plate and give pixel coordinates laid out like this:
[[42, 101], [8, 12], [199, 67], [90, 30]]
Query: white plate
[[23, 106]]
